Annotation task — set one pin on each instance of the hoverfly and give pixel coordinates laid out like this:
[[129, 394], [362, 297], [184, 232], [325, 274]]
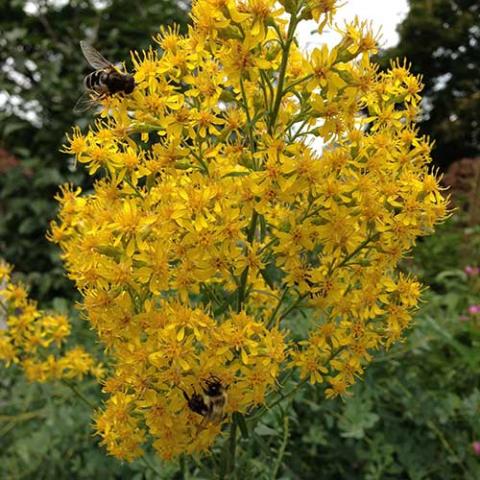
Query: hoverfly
[[105, 81]]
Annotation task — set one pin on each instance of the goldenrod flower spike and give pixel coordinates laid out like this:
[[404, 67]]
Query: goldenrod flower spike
[[217, 220]]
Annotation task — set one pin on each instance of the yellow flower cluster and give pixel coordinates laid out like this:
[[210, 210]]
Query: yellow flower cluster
[[33, 339], [182, 345], [244, 182]]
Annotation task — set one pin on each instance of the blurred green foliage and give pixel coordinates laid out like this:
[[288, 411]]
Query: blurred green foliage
[[441, 38], [42, 73]]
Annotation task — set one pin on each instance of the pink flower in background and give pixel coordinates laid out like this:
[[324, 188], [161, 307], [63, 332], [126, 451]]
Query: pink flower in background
[[472, 271], [474, 309], [476, 448]]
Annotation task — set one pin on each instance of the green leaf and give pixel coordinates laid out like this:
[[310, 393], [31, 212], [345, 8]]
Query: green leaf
[[29, 225], [265, 431], [357, 418], [12, 127]]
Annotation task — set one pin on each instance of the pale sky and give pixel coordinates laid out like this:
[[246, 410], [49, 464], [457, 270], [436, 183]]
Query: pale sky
[[385, 14]]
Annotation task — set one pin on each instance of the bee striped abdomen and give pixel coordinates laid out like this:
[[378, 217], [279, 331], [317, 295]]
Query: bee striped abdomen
[[95, 81], [216, 408]]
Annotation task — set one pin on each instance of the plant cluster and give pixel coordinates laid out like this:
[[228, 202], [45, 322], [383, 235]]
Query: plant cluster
[[217, 219], [34, 339]]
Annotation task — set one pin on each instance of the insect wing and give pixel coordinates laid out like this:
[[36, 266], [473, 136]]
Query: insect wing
[[84, 103], [94, 58]]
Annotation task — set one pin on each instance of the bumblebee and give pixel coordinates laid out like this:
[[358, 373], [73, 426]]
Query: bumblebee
[[105, 81], [211, 403]]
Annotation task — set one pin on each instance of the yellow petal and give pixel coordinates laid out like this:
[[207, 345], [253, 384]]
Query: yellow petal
[[181, 334]]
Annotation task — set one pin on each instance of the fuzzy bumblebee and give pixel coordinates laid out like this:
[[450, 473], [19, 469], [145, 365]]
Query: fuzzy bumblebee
[[212, 402]]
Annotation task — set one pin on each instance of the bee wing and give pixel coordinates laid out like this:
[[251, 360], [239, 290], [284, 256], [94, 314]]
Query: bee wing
[[94, 57], [84, 103]]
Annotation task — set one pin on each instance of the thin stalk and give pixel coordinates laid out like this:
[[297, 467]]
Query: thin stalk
[[79, 394], [13, 420], [283, 69], [262, 410], [200, 156], [283, 446], [3, 307], [292, 307], [269, 85], [297, 82], [267, 245], [135, 191], [232, 446], [447, 445], [294, 121], [184, 468], [22, 416], [249, 118], [243, 279], [299, 132], [265, 97], [277, 308], [284, 396], [149, 465], [357, 250]]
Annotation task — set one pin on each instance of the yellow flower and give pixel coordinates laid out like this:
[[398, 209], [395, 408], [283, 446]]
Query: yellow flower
[[323, 74]]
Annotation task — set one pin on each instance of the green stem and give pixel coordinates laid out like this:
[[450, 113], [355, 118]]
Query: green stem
[[183, 468], [21, 417], [283, 69], [232, 448], [284, 396], [292, 307], [267, 245], [283, 446], [249, 119], [149, 465], [297, 82], [277, 308], [446, 444], [199, 157], [299, 132], [13, 420], [262, 410], [79, 394], [4, 307], [243, 279], [357, 250], [265, 78], [135, 191]]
